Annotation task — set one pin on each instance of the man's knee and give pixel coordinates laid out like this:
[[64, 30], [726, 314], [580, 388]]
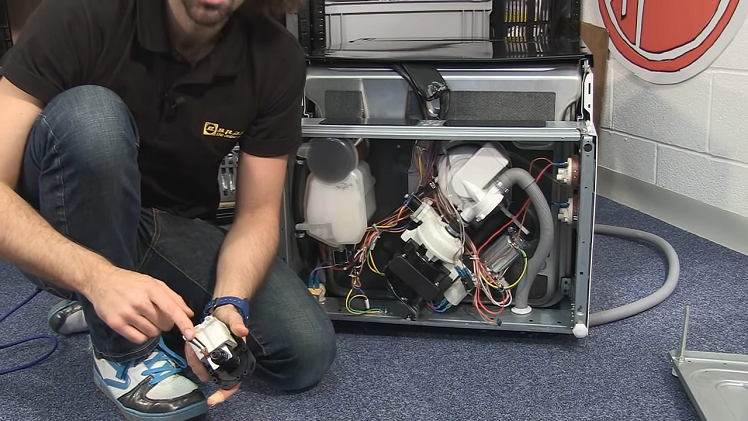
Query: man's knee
[[310, 356], [90, 125]]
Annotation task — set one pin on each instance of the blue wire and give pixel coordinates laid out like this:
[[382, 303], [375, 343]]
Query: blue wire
[[50, 338], [463, 272], [314, 279], [401, 227], [443, 306]]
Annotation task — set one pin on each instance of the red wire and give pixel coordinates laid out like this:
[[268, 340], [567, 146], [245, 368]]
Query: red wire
[[476, 300], [477, 303], [524, 207], [480, 307], [536, 160]]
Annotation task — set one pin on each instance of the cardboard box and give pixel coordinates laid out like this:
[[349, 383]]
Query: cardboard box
[[597, 40]]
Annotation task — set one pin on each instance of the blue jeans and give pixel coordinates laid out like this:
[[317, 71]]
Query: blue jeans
[[80, 171]]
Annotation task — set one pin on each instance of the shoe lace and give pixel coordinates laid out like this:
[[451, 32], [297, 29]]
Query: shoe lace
[[162, 363], [172, 363]]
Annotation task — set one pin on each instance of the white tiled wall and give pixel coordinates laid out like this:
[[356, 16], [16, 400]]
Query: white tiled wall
[[690, 138]]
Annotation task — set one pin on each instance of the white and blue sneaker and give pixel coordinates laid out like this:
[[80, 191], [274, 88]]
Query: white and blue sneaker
[[66, 318], [151, 388]]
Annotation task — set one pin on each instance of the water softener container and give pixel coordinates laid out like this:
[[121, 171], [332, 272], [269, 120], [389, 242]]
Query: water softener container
[[339, 197]]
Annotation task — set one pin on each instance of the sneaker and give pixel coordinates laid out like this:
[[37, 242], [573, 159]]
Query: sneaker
[[151, 388], [66, 318]]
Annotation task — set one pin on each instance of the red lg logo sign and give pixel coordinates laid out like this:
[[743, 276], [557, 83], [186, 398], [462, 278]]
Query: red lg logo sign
[[669, 41]]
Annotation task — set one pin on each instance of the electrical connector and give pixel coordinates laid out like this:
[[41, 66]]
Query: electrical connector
[[564, 215], [570, 213], [225, 356], [319, 292], [340, 257], [569, 173]]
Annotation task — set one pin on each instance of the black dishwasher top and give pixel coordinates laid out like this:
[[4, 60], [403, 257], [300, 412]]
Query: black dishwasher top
[[462, 51]]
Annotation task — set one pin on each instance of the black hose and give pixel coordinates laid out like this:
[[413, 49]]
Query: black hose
[[298, 193], [298, 189]]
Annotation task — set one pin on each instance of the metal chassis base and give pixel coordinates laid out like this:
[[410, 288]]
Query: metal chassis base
[[462, 317], [572, 314], [716, 383]]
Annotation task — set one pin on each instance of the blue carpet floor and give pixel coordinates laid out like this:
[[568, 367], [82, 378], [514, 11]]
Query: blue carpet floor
[[620, 372]]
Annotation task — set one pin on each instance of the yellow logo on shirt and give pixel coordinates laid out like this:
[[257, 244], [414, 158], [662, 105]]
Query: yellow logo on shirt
[[215, 130]]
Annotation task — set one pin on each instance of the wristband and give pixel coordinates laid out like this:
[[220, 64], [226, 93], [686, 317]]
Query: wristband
[[241, 304]]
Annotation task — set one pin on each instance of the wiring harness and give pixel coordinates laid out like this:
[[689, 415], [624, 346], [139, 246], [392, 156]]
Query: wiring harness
[[491, 292]]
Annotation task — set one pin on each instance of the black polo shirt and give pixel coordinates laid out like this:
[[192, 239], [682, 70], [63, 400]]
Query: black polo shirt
[[248, 90]]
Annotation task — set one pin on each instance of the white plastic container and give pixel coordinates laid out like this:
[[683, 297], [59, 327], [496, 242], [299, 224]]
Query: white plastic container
[[466, 177], [338, 214], [351, 20]]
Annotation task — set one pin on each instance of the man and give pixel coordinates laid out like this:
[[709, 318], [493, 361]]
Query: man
[[115, 116]]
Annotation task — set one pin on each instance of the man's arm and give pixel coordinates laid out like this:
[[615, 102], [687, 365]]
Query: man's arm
[[26, 239], [34, 71], [252, 242], [56, 52], [134, 305], [50, 57]]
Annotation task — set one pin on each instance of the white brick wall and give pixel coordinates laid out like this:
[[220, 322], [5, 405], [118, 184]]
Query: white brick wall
[[628, 154], [711, 180], [672, 114], [690, 138], [734, 56], [728, 134]]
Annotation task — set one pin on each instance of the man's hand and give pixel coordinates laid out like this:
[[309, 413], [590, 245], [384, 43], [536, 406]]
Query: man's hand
[[230, 316], [139, 307]]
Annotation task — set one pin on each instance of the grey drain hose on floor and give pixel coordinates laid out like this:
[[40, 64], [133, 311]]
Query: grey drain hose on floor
[[524, 180], [646, 303]]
